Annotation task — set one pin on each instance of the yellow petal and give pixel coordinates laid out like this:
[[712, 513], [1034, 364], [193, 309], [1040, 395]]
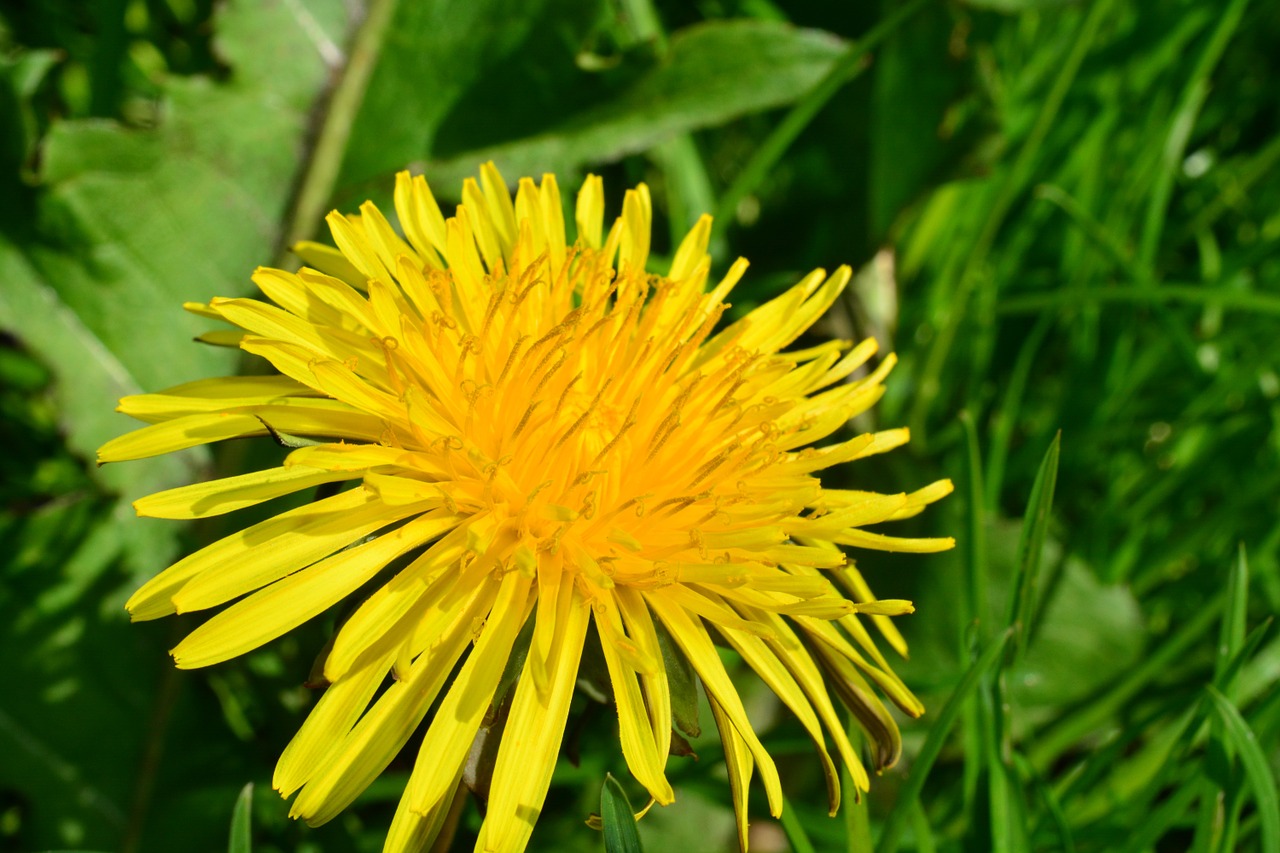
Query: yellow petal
[[211, 395], [399, 598], [482, 224], [384, 730], [454, 727], [338, 709], [638, 747], [656, 690], [590, 211], [497, 200], [692, 249], [553, 220], [264, 561], [766, 664], [637, 213], [412, 832], [693, 639], [352, 243], [531, 741], [329, 261], [201, 500], [420, 216], [325, 418], [155, 598], [293, 600], [737, 760]]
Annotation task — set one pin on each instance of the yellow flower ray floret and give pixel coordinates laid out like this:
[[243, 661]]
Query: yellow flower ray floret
[[536, 430]]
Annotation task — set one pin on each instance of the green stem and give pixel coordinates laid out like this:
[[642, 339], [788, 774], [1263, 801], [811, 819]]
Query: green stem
[[321, 170]]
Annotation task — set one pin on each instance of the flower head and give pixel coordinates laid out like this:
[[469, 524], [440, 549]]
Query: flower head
[[533, 432]]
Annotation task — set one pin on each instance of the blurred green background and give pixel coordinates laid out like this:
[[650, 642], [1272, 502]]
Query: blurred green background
[[1066, 217]]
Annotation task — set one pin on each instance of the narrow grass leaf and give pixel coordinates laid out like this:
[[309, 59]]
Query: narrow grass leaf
[[617, 819], [1256, 769], [794, 829], [242, 822], [891, 833], [1231, 637], [972, 621], [761, 164], [1035, 523]]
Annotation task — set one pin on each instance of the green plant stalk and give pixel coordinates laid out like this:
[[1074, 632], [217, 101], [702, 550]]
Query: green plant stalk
[[857, 817], [321, 171], [794, 829], [1005, 417]]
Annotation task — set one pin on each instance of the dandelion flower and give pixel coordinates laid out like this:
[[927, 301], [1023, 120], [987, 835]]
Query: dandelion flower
[[519, 430]]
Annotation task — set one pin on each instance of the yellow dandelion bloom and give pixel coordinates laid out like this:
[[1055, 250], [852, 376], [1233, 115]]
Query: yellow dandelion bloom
[[535, 432]]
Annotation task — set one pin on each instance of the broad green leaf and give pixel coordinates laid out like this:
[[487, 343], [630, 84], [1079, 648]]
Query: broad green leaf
[[712, 72], [122, 226], [454, 75], [617, 819], [241, 840], [127, 225]]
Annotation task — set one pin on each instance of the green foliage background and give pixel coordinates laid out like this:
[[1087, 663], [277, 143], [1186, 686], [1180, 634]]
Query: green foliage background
[[1066, 216]]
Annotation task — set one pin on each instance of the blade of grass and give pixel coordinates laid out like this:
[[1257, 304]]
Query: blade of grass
[[1192, 294], [1057, 816], [973, 607], [242, 822], [1006, 416], [1218, 799], [1015, 179], [857, 816], [1180, 127], [618, 821], [908, 797], [1231, 637], [779, 140], [925, 842], [1035, 524], [322, 166], [794, 829], [1256, 769], [1161, 819]]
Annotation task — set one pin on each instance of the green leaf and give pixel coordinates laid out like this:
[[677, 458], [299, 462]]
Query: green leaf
[[1231, 636], [1257, 769], [120, 227], [1035, 523], [890, 834], [712, 73], [617, 819], [242, 822], [682, 682], [794, 828], [127, 225]]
